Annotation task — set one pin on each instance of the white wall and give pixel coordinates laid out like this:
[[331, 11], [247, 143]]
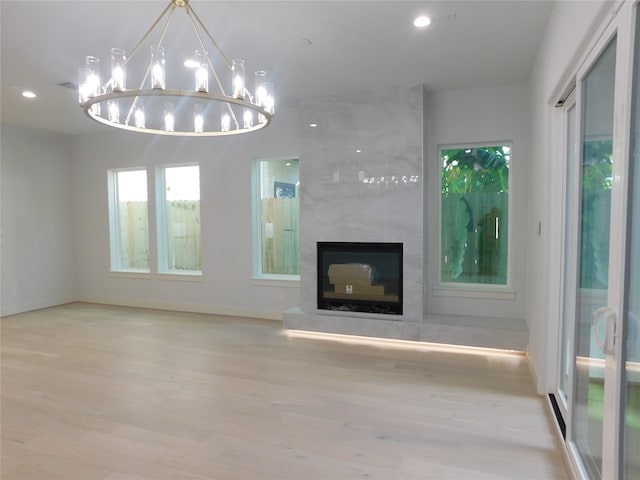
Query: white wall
[[36, 222], [571, 27], [487, 116], [227, 286]]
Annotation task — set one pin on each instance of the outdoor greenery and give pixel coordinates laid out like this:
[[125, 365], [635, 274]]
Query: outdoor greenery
[[596, 168], [475, 186], [596, 211], [484, 170]]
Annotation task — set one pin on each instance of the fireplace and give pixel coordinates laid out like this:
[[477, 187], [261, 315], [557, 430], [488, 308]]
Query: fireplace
[[360, 277]]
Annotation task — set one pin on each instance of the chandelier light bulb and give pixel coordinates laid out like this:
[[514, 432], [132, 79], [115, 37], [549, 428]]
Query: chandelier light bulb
[[93, 82], [118, 79], [114, 111], [139, 117], [169, 120], [118, 60], [237, 72], [268, 102], [260, 93], [198, 119], [93, 76], [157, 68], [83, 85], [157, 77], [202, 71], [202, 78], [225, 122], [248, 118]]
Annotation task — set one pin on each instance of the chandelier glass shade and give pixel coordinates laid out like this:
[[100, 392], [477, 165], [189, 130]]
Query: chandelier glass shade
[[214, 103]]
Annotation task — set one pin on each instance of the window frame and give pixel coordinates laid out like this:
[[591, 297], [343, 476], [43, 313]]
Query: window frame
[[115, 237], [475, 290], [162, 233], [258, 276]]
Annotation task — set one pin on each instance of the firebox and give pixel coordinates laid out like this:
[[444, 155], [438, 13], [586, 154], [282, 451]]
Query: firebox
[[360, 277]]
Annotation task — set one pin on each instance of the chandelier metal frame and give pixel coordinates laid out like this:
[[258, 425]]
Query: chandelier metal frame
[[94, 105]]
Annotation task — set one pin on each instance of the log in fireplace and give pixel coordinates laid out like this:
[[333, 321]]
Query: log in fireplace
[[360, 277]]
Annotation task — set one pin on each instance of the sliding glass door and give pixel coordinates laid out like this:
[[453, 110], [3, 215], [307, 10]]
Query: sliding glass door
[[592, 261], [599, 351]]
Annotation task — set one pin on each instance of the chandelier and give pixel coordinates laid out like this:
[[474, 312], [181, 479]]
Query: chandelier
[[215, 103]]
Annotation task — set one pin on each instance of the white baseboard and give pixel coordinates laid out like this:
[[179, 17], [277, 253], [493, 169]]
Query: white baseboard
[[534, 374], [226, 310], [6, 310]]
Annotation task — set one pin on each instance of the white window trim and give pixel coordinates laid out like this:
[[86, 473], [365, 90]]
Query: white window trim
[[161, 226], [475, 290], [259, 278], [182, 276], [114, 221], [467, 290], [273, 280], [136, 274]]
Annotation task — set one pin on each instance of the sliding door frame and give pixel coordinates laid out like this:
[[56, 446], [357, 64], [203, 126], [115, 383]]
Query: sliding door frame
[[619, 23]]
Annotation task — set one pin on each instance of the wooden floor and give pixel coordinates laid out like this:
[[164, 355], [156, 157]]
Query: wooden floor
[[93, 392]]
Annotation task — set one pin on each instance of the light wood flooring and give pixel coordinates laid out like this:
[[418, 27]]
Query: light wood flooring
[[93, 392]]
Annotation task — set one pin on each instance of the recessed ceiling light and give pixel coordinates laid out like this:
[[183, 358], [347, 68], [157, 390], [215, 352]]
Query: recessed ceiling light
[[29, 94], [422, 21], [313, 125], [358, 151]]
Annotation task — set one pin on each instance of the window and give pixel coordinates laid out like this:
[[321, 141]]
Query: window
[[179, 248], [277, 219], [129, 220], [474, 214]]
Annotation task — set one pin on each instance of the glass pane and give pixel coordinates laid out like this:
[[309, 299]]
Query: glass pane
[[280, 217], [182, 217], [570, 240], [132, 221], [593, 256], [632, 317], [475, 214]]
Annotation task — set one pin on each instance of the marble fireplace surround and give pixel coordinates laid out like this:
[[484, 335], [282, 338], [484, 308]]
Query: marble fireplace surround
[[361, 176]]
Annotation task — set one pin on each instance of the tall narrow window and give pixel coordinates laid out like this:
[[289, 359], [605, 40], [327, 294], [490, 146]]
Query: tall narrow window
[[277, 207], [179, 220], [475, 214], [129, 220]]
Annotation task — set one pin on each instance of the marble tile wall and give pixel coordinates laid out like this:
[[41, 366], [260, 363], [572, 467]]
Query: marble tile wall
[[361, 180]]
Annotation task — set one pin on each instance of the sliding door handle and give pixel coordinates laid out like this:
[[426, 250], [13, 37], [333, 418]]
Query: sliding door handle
[[608, 343]]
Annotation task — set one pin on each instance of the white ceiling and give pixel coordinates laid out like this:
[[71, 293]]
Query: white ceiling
[[308, 47]]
